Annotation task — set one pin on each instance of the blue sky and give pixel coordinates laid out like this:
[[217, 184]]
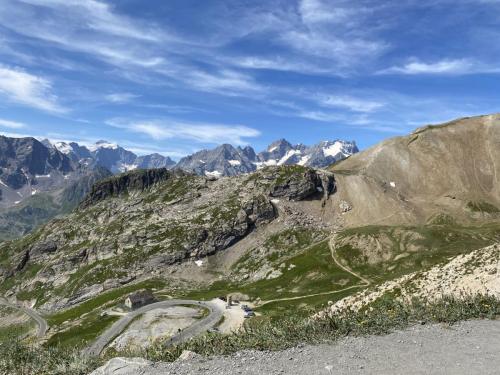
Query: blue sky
[[177, 76]]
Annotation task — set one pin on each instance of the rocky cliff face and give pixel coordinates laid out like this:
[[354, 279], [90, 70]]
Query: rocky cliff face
[[138, 180], [138, 224], [26, 161]]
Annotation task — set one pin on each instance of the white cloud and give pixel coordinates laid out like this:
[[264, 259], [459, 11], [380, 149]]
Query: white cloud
[[226, 82], [351, 103], [203, 133], [12, 124], [99, 16], [14, 135], [120, 97], [318, 116], [344, 51], [88, 26], [27, 89], [446, 66], [313, 11], [280, 64]]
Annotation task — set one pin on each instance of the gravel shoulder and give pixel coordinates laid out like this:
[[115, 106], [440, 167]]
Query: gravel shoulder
[[467, 348]]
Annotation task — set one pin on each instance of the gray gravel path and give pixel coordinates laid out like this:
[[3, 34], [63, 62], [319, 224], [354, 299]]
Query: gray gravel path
[[468, 348]]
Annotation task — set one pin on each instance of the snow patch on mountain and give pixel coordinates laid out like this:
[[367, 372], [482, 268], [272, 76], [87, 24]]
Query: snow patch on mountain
[[333, 149], [63, 147]]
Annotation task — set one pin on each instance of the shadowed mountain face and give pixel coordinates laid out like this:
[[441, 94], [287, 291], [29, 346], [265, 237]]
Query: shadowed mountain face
[[448, 170], [37, 209], [22, 159], [39, 182], [29, 167]]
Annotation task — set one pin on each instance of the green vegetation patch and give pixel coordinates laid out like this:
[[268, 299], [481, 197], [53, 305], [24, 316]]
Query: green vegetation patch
[[383, 253], [100, 301], [84, 333], [309, 273], [481, 206]]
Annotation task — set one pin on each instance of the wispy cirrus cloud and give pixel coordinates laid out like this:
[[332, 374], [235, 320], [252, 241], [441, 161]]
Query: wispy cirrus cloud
[[121, 97], [351, 103], [443, 67], [12, 124], [316, 11], [198, 132], [87, 26], [226, 82], [99, 16], [21, 87]]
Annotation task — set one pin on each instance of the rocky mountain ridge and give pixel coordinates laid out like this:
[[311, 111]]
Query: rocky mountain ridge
[[224, 160], [110, 156], [227, 160]]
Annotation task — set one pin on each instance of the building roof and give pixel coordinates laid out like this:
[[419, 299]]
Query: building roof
[[141, 295]]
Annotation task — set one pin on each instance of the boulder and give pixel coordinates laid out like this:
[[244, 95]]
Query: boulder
[[41, 248], [188, 355], [123, 366]]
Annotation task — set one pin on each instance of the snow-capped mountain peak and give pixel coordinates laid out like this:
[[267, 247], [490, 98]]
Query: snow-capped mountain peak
[[226, 160], [63, 147]]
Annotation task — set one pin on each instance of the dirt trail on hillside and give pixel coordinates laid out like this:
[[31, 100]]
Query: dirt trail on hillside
[[468, 348], [331, 243]]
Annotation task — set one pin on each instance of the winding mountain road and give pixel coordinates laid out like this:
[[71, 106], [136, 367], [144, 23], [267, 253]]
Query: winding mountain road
[[40, 321], [214, 316]]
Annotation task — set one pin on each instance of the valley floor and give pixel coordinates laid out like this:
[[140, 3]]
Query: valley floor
[[470, 347]]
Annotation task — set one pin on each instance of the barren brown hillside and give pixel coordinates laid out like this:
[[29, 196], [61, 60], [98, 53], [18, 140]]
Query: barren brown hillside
[[437, 173]]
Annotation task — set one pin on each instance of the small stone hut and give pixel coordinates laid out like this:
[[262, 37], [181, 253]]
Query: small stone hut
[[139, 299]]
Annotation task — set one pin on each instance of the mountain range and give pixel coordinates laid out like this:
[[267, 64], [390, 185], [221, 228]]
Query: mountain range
[[37, 176], [110, 156], [413, 215], [227, 160], [30, 167]]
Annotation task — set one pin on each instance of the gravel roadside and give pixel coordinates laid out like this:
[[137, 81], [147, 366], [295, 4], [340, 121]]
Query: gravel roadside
[[471, 347]]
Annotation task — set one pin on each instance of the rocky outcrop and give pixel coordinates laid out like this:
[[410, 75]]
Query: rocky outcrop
[[300, 183], [138, 180], [41, 248]]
